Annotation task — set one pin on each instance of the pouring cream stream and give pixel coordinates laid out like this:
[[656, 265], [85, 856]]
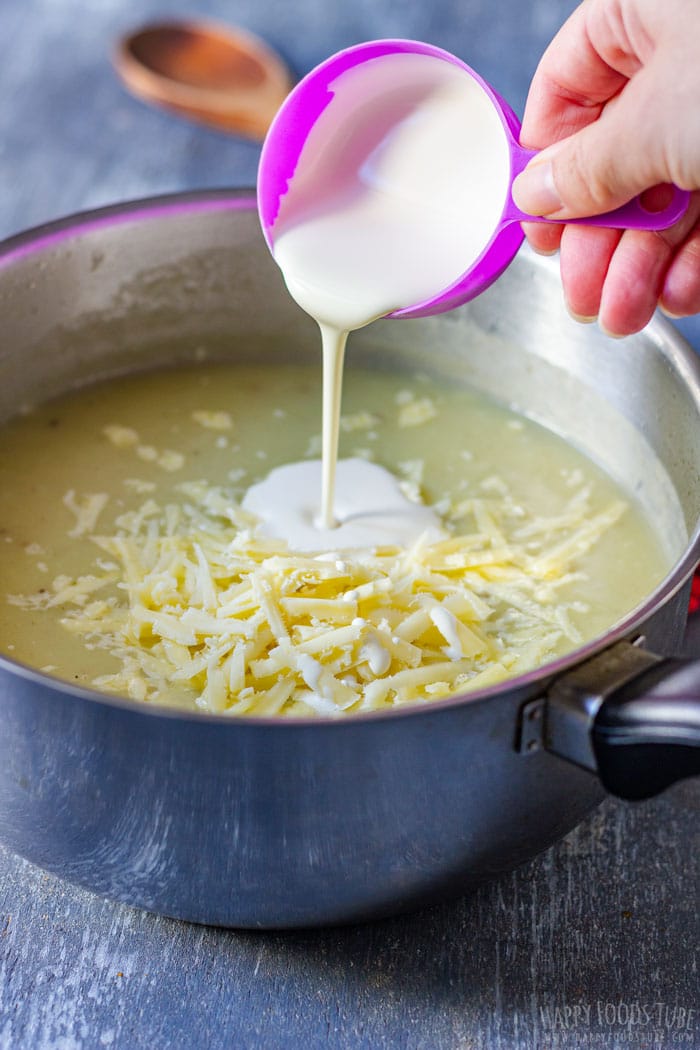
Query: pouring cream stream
[[397, 192]]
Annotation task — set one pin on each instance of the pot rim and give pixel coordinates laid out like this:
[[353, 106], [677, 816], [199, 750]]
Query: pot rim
[[48, 235]]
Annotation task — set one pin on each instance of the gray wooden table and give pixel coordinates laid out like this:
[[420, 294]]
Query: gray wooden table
[[594, 943]]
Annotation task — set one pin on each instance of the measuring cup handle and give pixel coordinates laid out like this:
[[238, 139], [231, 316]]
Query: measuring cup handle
[[631, 216]]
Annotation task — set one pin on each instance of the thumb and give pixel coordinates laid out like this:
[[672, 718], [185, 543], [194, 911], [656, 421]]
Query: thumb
[[601, 166]]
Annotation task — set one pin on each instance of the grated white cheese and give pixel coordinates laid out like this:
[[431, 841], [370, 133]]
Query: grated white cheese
[[188, 596], [314, 447], [121, 437], [139, 486], [147, 453], [414, 413], [213, 420], [377, 657], [358, 421], [87, 510], [170, 460]]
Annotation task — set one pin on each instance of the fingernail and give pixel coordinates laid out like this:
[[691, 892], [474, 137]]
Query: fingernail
[[608, 333], [668, 313], [581, 318], [534, 191]]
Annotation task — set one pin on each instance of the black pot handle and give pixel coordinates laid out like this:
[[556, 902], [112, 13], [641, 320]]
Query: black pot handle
[[646, 734], [628, 715]]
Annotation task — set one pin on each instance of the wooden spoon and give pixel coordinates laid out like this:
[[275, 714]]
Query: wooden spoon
[[223, 77]]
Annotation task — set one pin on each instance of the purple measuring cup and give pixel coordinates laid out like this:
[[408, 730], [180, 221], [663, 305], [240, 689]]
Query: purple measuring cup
[[300, 112]]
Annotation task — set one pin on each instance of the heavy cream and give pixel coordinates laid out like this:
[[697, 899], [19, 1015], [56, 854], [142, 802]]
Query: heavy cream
[[398, 190], [370, 508]]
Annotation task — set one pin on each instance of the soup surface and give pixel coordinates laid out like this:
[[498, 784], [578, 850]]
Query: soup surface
[[127, 562]]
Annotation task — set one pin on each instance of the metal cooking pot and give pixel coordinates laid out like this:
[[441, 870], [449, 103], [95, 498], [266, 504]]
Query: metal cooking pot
[[257, 822]]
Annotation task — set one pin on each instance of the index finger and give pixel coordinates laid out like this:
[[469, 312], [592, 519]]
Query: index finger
[[587, 64]]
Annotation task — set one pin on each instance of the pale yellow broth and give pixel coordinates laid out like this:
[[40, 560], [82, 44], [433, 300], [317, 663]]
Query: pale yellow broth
[[456, 442]]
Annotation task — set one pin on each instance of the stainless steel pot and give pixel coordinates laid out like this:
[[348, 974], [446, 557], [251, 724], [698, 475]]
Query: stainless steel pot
[[254, 822]]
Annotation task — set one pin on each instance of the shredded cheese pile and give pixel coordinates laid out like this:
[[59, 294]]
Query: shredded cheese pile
[[188, 596]]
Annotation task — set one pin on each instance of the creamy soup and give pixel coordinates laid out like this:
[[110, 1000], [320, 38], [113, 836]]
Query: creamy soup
[[128, 562]]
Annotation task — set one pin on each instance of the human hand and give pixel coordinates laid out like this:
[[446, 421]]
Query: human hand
[[616, 98]]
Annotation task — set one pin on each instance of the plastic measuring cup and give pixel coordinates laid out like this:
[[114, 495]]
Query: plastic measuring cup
[[299, 116]]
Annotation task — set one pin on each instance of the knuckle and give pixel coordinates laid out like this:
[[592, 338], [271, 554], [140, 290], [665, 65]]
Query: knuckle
[[591, 179]]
